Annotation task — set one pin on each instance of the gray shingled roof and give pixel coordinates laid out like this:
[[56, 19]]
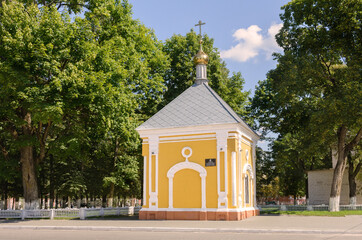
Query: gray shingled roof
[[198, 105]]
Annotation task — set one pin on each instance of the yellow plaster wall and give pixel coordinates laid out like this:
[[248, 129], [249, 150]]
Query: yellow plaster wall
[[188, 185], [169, 155]]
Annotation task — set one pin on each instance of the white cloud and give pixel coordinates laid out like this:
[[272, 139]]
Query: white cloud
[[251, 43]]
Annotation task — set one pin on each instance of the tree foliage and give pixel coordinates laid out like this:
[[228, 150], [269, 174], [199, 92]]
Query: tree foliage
[[314, 94], [72, 87], [181, 73]]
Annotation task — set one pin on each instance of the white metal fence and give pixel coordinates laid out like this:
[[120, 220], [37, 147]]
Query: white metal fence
[[306, 207], [81, 213]]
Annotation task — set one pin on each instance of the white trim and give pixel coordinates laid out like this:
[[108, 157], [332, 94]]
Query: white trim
[[241, 127], [184, 154], [246, 142], [144, 180], [226, 171], [233, 178], [188, 137], [247, 167], [221, 146], [187, 165], [153, 150], [240, 199], [247, 137], [189, 140], [254, 168]]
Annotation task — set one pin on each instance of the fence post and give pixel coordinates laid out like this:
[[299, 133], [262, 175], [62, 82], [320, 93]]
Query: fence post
[[101, 212], [23, 214], [82, 213], [118, 211], [130, 210], [283, 208], [52, 214]]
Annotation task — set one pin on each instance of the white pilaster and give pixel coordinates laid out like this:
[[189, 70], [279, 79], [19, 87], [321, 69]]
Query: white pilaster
[[233, 178], [221, 139], [144, 180], [254, 170], [240, 199], [153, 148]]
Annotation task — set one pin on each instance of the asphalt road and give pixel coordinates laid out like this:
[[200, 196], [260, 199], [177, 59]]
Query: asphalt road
[[261, 227], [24, 234]]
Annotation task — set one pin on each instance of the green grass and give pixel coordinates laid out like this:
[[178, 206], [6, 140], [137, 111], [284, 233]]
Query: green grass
[[311, 213]]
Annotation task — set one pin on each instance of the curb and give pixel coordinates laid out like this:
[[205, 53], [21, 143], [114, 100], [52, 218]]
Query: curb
[[173, 229]]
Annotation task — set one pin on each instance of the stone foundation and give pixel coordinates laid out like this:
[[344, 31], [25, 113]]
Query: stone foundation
[[197, 215]]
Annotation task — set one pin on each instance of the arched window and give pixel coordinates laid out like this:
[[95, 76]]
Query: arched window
[[247, 194]]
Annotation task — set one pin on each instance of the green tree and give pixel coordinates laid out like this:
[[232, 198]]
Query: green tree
[[316, 86], [182, 72], [267, 182], [62, 80]]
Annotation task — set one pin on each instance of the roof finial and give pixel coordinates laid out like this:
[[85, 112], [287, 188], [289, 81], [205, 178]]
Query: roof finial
[[200, 23], [201, 59]]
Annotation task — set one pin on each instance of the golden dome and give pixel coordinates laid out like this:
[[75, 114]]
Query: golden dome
[[201, 57]]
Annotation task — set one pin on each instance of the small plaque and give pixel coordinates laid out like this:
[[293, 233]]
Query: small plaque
[[210, 162]]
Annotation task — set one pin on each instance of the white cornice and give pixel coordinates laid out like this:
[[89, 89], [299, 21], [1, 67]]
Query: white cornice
[[245, 130]]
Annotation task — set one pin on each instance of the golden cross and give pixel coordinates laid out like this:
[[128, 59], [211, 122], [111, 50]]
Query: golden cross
[[200, 24]]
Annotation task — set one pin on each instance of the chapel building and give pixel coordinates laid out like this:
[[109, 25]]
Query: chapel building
[[199, 157]]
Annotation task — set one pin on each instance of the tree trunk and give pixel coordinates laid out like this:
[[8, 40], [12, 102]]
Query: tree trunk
[[104, 201], [343, 149], [352, 173], [69, 202], [111, 195], [338, 171], [51, 181], [6, 197], [28, 169], [30, 185]]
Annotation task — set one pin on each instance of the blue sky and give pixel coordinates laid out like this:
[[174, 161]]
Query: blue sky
[[243, 30]]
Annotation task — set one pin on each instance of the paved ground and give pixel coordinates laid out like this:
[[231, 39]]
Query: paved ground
[[272, 227], [128, 235]]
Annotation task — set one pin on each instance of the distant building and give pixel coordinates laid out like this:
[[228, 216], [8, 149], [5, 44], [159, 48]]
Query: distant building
[[320, 182]]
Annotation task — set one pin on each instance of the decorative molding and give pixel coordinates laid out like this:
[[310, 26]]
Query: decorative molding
[[144, 180], [221, 138], [254, 168], [153, 145], [194, 137], [153, 151], [222, 199], [186, 156], [247, 155], [186, 165], [240, 199], [233, 178], [247, 167]]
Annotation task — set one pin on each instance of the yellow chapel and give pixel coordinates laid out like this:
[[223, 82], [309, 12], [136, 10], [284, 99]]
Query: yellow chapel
[[199, 157]]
